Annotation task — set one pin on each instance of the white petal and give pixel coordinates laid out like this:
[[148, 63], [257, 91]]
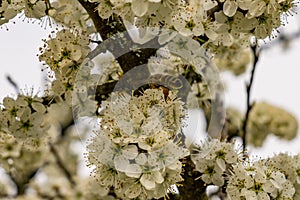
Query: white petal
[[76, 54], [133, 191], [104, 10], [279, 177], [229, 8], [139, 7], [207, 5], [198, 30], [141, 159], [175, 166], [38, 107], [133, 171], [268, 187], [166, 36], [147, 182], [130, 151], [263, 196], [221, 163], [257, 8], [121, 163], [250, 195], [260, 177], [158, 177]]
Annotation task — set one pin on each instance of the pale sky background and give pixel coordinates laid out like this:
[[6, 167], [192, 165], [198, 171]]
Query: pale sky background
[[277, 78]]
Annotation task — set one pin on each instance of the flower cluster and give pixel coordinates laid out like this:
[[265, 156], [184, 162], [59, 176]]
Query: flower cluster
[[64, 54], [19, 159], [66, 51], [273, 178], [23, 118], [231, 19], [71, 14], [234, 58], [169, 62], [9, 146], [148, 12], [258, 181], [265, 119], [226, 24], [57, 185], [290, 167], [138, 148], [7, 11], [32, 9], [213, 159]]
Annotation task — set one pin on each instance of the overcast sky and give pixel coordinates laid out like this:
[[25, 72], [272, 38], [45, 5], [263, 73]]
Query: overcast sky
[[277, 78]]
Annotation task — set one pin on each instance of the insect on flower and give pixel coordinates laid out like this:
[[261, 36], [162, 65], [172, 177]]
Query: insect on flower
[[168, 81]]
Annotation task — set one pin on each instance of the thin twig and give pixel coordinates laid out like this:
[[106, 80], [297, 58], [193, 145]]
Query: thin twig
[[13, 83], [61, 164], [95, 41], [248, 89]]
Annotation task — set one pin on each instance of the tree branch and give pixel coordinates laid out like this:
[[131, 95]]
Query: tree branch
[[102, 25], [120, 48], [192, 187], [21, 186], [61, 164], [127, 60], [248, 89]]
